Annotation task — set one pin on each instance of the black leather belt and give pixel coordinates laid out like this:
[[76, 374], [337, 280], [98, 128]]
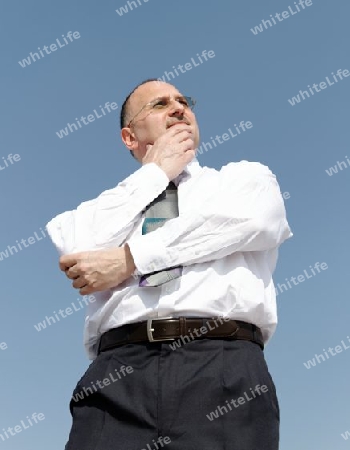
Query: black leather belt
[[183, 328]]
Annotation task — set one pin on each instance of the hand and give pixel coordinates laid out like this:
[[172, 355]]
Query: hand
[[173, 150], [98, 270]]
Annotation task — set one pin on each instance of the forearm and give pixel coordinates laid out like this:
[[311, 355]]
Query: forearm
[[219, 227], [107, 220], [164, 249]]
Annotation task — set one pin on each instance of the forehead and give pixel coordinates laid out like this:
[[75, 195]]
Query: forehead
[[149, 91]]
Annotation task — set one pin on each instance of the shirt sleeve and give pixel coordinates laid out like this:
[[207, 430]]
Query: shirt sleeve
[[107, 220], [245, 213]]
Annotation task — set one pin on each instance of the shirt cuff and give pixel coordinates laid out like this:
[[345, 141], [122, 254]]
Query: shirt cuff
[[150, 255]]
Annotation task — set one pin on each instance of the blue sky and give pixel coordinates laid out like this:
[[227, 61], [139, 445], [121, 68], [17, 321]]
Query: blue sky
[[251, 78]]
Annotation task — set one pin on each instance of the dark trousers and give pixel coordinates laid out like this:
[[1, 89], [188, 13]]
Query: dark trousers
[[210, 394]]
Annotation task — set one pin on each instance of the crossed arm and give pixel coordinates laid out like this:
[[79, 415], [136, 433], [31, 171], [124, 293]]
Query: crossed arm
[[245, 213]]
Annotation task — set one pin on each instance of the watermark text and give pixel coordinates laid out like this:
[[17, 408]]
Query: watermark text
[[315, 88], [298, 7], [9, 160], [71, 127], [322, 357], [100, 384], [63, 313], [220, 139], [307, 274], [24, 425], [13, 249], [70, 37], [221, 410], [341, 164]]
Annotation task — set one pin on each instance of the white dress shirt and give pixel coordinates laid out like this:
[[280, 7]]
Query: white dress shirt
[[231, 222]]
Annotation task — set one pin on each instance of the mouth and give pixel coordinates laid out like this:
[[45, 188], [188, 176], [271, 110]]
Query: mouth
[[177, 123]]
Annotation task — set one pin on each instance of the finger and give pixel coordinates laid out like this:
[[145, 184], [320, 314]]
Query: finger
[[185, 136], [178, 128], [190, 154], [79, 283], [187, 146], [67, 261], [86, 290], [72, 273], [180, 137]]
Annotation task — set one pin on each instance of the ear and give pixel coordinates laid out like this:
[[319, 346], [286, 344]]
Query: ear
[[128, 138]]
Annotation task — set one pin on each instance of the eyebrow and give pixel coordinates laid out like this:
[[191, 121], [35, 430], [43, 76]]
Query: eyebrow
[[166, 96]]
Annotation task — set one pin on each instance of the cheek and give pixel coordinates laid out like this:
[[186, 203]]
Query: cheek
[[155, 128], [148, 134], [194, 122], [143, 134]]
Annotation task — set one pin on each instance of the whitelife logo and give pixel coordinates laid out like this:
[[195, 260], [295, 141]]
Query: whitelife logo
[[198, 332], [24, 425], [300, 278], [345, 435], [341, 164], [333, 351], [183, 68], [3, 346], [205, 146], [256, 392], [303, 95], [53, 47], [102, 384], [71, 127], [13, 249], [285, 15], [63, 313], [10, 160]]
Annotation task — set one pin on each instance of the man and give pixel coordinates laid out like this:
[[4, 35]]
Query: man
[[203, 274]]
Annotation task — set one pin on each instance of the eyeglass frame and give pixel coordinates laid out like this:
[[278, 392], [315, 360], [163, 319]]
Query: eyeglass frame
[[189, 100]]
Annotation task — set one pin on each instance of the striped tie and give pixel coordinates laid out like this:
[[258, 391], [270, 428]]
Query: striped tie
[[163, 208]]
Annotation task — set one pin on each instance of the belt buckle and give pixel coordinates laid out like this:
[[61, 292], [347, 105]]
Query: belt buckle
[[150, 330]]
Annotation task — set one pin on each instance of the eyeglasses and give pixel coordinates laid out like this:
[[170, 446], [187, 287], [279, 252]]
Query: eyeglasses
[[162, 103]]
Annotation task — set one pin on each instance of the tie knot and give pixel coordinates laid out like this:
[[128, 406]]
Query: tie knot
[[171, 186]]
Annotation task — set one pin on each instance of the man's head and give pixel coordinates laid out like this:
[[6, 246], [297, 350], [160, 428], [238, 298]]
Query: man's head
[[143, 122]]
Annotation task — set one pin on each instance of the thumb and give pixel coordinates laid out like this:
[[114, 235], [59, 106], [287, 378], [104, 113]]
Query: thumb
[[190, 154]]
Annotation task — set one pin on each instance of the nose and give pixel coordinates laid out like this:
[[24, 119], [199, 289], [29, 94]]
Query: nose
[[176, 108]]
